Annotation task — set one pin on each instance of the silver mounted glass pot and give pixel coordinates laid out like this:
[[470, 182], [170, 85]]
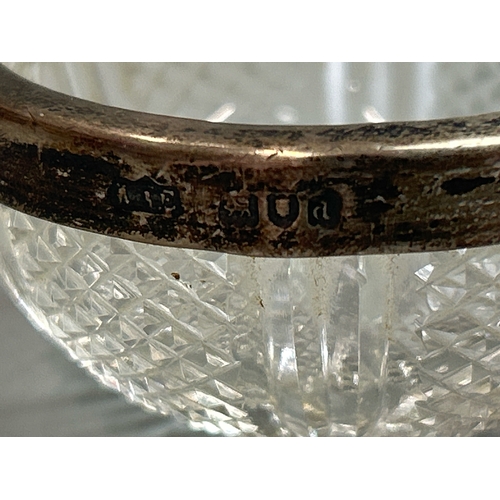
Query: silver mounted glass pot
[[276, 279]]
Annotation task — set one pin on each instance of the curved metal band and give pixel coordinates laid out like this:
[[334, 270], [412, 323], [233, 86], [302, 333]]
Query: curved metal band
[[253, 190]]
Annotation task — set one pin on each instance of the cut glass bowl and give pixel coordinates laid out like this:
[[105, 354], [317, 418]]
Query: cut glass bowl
[[373, 345]]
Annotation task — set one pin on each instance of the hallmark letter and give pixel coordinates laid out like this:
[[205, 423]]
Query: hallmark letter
[[282, 209], [324, 209], [145, 195]]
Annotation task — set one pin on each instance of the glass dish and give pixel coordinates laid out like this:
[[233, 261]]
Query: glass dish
[[391, 344]]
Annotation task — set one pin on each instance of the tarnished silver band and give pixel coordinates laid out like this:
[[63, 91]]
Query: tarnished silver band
[[253, 190]]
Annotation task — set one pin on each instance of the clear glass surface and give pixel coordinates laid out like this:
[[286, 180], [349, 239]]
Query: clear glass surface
[[374, 345]]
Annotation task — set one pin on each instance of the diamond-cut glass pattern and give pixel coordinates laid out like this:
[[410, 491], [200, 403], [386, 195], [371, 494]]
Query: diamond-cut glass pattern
[[381, 345], [378, 345]]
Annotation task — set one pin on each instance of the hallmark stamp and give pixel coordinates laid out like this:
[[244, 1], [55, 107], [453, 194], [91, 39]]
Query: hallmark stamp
[[324, 209], [146, 195], [236, 209], [237, 215], [283, 209]]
